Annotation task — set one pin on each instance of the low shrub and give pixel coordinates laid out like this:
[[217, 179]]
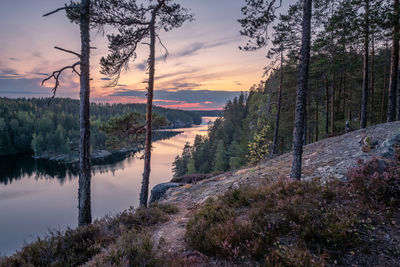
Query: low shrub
[[133, 248], [77, 246], [377, 181], [71, 248], [293, 256], [248, 223]]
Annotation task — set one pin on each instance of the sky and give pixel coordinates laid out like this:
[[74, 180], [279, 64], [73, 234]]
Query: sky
[[205, 67]]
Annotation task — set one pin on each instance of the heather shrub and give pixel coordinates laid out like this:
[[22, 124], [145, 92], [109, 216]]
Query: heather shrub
[[248, 223], [377, 181], [72, 248], [293, 256], [140, 217], [207, 227], [77, 246], [133, 248]]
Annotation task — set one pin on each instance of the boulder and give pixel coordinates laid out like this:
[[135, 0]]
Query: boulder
[[159, 190], [388, 147]]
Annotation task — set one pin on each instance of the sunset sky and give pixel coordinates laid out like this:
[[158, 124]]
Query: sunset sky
[[205, 67]]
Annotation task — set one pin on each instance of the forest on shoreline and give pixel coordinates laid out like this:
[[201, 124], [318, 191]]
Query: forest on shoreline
[[42, 127]]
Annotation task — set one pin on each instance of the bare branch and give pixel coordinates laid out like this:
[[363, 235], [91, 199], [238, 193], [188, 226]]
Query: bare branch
[[59, 9], [67, 51], [56, 75], [163, 46]]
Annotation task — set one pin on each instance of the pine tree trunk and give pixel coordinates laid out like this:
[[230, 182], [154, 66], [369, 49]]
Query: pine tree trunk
[[384, 90], [327, 111], [394, 65], [371, 102], [278, 112], [364, 101], [344, 96], [144, 193], [349, 114], [305, 133], [317, 116], [333, 110], [85, 213], [302, 91]]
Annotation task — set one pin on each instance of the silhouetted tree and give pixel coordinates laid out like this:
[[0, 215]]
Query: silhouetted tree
[[84, 204], [135, 23]]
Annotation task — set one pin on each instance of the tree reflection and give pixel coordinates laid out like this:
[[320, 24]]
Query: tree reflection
[[16, 167]]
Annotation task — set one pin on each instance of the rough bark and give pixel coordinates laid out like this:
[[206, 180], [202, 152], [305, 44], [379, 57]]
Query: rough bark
[[394, 65], [278, 112], [365, 88], [384, 90], [349, 114], [302, 91], [344, 96], [371, 102], [317, 115], [144, 193], [327, 112], [305, 131], [333, 109], [85, 213]]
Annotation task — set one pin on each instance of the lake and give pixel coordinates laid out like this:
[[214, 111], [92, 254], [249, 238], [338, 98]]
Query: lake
[[37, 196]]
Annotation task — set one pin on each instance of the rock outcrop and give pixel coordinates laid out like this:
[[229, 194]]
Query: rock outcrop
[[159, 190]]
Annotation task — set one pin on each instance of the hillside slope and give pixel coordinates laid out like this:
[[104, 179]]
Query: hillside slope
[[330, 157], [325, 159]]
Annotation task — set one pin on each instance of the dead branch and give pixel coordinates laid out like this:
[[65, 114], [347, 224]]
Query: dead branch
[[68, 51], [56, 75], [163, 46], [59, 9]]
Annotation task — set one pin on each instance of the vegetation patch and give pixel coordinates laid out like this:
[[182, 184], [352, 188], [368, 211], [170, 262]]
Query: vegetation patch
[[191, 178], [123, 237], [295, 223], [377, 181]]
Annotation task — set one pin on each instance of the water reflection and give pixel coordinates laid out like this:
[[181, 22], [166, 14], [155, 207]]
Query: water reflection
[[38, 195], [16, 167]]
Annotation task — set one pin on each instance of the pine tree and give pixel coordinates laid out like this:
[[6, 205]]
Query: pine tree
[[298, 131], [134, 26]]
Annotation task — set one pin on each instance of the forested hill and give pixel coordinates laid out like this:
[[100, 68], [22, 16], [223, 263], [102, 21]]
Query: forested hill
[[209, 113], [25, 123]]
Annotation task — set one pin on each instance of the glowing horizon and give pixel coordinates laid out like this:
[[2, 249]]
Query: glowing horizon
[[204, 57]]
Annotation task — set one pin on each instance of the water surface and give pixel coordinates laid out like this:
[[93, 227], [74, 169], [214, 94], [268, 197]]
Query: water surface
[[36, 196]]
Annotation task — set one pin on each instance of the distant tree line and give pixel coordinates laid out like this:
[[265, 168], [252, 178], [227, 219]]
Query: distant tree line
[[28, 125]]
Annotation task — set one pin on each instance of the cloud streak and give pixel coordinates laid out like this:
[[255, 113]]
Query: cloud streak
[[207, 97]]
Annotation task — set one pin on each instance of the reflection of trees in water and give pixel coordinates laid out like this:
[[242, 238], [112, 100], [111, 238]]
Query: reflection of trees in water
[[165, 135], [17, 167]]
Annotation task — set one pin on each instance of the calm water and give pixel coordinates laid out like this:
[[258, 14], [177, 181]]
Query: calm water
[[36, 196]]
